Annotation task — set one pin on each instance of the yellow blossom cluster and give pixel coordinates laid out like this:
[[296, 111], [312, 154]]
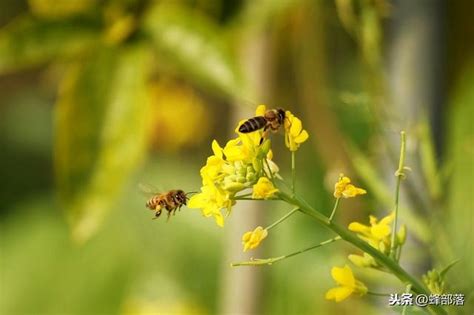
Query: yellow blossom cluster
[[263, 189], [242, 163], [252, 239], [295, 135], [378, 235], [343, 188]]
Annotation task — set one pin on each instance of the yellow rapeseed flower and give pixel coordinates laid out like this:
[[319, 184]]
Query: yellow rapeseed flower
[[211, 200], [344, 188], [212, 170], [252, 239], [378, 235], [378, 230], [263, 189], [347, 284], [294, 132]]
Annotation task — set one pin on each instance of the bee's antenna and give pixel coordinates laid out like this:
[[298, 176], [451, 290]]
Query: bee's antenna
[[191, 193]]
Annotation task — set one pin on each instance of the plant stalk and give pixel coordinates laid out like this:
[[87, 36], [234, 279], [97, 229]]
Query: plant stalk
[[416, 286]]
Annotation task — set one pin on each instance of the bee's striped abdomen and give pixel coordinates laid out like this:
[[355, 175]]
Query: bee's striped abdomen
[[253, 124]]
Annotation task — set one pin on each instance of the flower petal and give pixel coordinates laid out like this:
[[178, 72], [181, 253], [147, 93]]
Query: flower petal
[[343, 276], [296, 126], [339, 294], [380, 231], [358, 227], [216, 148], [302, 137], [197, 201], [388, 219], [219, 218], [260, 111]]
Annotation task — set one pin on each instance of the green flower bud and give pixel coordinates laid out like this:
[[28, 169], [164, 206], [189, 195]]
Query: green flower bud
[[434, 281], [230, 178], [250, 169], [251, 177], [241, 171], [364, 261], [402, 235], [234, 186], [257, 165], [241, 179]]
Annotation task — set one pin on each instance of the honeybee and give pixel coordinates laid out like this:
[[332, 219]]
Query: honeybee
[[170, 201], [271, 120]]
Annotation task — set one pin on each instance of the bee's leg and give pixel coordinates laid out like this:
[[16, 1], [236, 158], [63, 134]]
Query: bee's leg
[[157, 214], [265, 134]]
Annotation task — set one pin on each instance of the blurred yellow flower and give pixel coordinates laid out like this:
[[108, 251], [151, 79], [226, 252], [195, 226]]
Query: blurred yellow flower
[[294, 132], [163, 306], [263, 189], [120, 29], [347, 284], [179, 117], [59, 8], [252, 239], [343, 188]]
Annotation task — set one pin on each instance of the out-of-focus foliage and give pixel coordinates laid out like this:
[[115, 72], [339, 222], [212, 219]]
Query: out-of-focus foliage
[[28, 41], [195, 45], [178, 116], [110, 51], [101, 120], [52, 9], [460, 168]]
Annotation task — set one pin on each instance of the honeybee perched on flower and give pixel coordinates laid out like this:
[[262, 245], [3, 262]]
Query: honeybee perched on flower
[[170, 201], [271, 120]]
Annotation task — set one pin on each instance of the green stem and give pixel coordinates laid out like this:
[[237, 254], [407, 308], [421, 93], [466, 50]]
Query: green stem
[[283, 218], [352, 238], [293, 172], [399, 174], [269, 169], [270, 261], [398, 253], [336, 204]]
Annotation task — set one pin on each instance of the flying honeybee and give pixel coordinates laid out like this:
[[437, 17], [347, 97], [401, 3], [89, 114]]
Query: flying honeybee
[[271, 120], [170, 201]]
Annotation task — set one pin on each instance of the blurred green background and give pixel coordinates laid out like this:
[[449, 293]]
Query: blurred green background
[[98, 96]]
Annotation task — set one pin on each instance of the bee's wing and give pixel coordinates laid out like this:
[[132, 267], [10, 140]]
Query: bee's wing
[[147, 189]]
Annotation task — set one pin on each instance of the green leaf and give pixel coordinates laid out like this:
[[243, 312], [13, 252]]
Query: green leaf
[[459, 191], [101, 126], [428, 159], [446, 269], [195, 46], [28, 42]]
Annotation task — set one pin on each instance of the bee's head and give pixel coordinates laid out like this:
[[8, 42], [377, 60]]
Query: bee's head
[[281, 115], [185, 196]]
